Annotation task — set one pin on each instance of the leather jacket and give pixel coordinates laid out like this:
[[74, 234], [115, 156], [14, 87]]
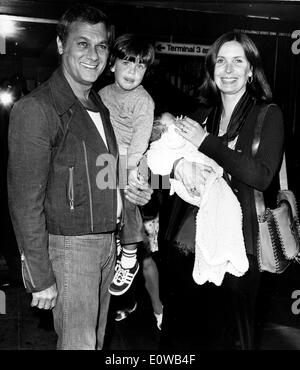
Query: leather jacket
[[61, 176]]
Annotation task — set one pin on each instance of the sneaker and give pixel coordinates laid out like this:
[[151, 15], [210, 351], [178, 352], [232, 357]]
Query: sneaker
[[123, 279], [159, 317], [122, 314]]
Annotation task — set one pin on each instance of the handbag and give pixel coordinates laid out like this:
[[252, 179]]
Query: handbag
[[278, 241]]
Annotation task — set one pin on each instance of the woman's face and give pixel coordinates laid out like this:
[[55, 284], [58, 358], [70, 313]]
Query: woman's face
[[232, 69]]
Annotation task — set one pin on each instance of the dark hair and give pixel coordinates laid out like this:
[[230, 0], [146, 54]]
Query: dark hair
[[258, 88], [80, 13], [130, 46]]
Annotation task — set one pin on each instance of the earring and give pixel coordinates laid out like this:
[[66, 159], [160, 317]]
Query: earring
[[250, 79]]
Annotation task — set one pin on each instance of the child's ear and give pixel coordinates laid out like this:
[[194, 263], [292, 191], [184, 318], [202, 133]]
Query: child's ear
[[113, 68]]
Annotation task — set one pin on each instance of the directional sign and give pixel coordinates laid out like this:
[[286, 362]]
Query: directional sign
[[2, 45], [181, 49], [2, 303]]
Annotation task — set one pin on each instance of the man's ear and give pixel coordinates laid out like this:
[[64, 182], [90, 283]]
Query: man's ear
[[60, 47], [113, 68]]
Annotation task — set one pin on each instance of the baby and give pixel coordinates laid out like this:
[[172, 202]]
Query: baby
[[170, 147]]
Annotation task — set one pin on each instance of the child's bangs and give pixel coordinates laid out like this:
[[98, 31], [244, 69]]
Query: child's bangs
[[134, 56]]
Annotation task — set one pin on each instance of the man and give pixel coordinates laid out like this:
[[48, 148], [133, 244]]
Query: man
[[62, 179]]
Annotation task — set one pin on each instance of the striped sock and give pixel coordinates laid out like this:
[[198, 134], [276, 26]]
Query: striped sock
[[128, 258]]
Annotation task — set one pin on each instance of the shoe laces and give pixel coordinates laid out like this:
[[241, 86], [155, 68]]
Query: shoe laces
[[122, 275]]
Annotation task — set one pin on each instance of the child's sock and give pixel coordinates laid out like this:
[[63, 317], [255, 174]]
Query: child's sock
[[128, 258]]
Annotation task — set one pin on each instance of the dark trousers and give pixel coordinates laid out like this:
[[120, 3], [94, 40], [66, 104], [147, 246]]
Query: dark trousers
[[201, 317], [195, 316], [244, 292]]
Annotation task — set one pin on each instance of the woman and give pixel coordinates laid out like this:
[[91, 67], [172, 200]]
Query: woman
[[236, 89]]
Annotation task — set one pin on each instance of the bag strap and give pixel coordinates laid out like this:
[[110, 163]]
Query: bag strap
[[258, 128], [256, 141], [258, 195]]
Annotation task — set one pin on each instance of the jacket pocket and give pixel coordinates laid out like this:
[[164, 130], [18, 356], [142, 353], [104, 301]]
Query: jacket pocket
[[71, 188], [26, 274]]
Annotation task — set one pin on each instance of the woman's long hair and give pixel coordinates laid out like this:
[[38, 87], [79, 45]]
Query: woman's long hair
[[259, 88]]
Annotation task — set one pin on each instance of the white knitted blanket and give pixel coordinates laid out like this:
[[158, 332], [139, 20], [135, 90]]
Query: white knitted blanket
[[219, 246]]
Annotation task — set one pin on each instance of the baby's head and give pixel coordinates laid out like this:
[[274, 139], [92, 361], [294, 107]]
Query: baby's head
[[167, 119], [130, 57], [171, 138]]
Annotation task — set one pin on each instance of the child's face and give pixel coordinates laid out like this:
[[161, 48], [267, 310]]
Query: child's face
[[128, 74]]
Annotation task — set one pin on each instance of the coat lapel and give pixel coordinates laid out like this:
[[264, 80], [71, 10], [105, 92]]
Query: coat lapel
[[108, 129], [82, 126], [80, 123]]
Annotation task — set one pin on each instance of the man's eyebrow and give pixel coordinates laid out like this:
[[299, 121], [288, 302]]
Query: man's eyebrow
[[104, 41], [82, 38]]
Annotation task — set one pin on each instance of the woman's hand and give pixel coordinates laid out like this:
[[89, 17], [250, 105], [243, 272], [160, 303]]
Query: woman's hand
[[193, 175], [191, 130]]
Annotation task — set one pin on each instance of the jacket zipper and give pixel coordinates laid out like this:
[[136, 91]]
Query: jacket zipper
[[24, 261], [71, 187], [89, 185]]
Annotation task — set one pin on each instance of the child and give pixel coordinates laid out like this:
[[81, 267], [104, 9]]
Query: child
[[131, 112]]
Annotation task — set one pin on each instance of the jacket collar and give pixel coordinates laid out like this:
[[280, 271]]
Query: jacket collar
[[62, 93], [64, 99]]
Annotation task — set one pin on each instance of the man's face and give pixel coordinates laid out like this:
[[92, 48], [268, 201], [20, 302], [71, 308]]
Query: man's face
[[84, 53]]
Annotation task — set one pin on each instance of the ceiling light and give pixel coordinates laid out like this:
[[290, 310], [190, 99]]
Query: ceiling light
[[6, 98], [7, 27]]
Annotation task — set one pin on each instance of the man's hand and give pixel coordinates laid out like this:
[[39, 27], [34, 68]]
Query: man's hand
[[139, 196], [45, 299], [135, 179]]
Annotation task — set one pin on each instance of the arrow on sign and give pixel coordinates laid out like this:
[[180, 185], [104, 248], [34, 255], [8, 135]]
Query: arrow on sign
[[159, 47]]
